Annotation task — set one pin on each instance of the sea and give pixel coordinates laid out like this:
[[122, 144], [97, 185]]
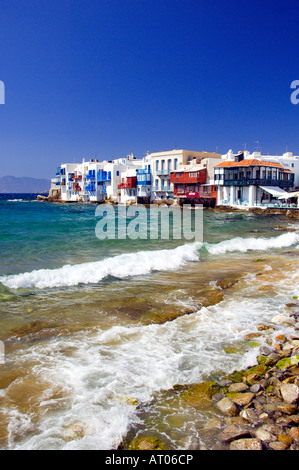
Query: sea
[[100, 336]]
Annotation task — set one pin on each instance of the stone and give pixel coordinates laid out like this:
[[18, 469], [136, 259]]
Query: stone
[[250, 415], [263, 327], [294, 433], [255, 388], [285, 439], [238, 387], [288, 362], [217, 397], [295, 418], [241, 399], [234, 431], [283, 320], [290, 393], [276, 445], [199, 395], [246, 444], [265, 350], [280, 339], [288, 408], [264, 435], [212, 425], [147, 443], [251, 336], [227, 407]]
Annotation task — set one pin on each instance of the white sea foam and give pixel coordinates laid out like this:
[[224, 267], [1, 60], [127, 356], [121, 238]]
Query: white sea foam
[[243, 245], [122, 266], [116, 367], [141, 263]]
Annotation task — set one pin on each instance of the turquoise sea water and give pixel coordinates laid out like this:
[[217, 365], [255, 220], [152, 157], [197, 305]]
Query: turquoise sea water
[[95, 333]]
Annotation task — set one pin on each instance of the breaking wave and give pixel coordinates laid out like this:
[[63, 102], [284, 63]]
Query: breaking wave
[[121, 266], [141, 263], [256, 244]]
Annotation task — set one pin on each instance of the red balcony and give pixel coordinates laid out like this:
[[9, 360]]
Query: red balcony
[[196, 191], [188, 177], [129, 183]]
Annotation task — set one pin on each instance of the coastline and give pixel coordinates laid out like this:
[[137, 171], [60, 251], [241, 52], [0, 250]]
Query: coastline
[[250, 409], [181, 430], [291, 213]]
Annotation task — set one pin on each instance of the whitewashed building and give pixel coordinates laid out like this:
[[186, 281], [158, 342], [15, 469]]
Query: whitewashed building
[[249, 180]]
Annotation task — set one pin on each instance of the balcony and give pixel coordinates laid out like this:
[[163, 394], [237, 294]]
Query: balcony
[[104, 176], [90, 188], [189, 177], [257, 182], [164, 188], [163, 172], [129, 183]]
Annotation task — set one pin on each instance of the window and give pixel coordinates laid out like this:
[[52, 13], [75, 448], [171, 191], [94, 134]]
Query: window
[[175, 163], [117, 173], [157, 165]]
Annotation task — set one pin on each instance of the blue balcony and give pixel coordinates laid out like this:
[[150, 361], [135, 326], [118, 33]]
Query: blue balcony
[[144, 179], [104, 175], [90, 188]]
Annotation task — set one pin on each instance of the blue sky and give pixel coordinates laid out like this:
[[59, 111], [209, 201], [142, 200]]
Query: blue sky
[[104, 78]]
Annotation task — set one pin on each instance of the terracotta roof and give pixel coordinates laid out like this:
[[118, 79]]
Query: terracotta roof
[[250, 162]]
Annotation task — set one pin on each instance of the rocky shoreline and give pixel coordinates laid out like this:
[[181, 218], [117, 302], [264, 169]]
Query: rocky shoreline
[[254, 409], [292, 213]]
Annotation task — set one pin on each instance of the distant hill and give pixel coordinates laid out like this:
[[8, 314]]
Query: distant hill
[[12, 184]]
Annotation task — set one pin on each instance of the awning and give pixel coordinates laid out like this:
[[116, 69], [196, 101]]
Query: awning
[[276, 191], [295, 194]]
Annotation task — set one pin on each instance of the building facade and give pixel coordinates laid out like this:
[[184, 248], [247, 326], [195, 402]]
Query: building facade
[[251, 181], [165, 163]]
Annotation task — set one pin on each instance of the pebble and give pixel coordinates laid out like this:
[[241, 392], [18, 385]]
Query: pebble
[[268, 402]]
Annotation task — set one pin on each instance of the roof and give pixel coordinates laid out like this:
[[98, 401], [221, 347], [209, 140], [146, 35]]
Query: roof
[[250, 162]]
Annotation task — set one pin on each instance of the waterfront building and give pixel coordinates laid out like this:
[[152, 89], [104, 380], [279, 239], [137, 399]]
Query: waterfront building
[[92, 180], [251, 182], [195, 181]]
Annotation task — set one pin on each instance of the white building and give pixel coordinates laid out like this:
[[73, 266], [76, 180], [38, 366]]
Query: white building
[[92, 180], [164, 163], [251, 180]]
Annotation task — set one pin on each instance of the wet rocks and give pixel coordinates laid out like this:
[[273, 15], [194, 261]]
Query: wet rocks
[[147, 443], [227, 407], [289, 393], [260, 406], [246, 444]]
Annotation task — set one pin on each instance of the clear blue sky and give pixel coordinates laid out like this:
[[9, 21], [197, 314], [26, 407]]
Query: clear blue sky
[[109, 77]]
